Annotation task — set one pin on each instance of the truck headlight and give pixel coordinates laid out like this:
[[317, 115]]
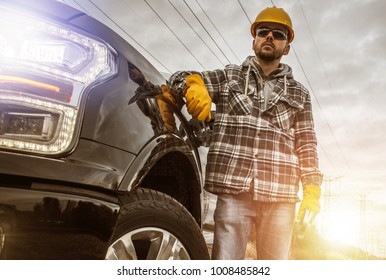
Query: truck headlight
[[44, 70]]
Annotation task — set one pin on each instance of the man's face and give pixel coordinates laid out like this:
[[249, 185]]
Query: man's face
[[268, 48]]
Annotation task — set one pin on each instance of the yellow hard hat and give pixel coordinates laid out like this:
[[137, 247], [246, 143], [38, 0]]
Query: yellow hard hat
[[276, 15]]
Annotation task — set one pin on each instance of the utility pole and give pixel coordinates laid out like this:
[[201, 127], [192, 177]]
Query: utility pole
[[327, 197], [362, 223]]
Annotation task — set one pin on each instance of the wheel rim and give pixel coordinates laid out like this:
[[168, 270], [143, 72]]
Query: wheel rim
[[148, 243]]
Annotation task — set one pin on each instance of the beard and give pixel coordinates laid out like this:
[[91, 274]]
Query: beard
[[267, 55]]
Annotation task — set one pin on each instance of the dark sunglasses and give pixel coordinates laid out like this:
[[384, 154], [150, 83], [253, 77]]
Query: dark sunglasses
[[276, 33]]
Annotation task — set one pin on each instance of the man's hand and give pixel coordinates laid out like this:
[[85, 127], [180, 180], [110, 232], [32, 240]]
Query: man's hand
[[310, 202], [198, 101]]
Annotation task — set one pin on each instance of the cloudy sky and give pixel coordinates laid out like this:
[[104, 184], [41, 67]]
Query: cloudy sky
[[338, 53]]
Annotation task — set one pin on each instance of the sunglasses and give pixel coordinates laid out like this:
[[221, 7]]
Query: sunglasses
[[276, 33]]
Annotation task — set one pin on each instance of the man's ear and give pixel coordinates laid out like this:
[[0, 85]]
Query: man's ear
[[253, 44], [286, 49]]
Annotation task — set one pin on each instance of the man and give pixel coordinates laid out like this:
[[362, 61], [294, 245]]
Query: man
[[263, 143]]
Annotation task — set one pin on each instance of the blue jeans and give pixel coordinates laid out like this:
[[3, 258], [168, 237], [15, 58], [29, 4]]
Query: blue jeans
[[234, 217]]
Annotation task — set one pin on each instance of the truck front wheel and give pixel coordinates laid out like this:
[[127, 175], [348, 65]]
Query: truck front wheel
[[154, 226]]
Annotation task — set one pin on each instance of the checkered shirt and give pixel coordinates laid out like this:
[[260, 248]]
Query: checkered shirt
[[266, 150]]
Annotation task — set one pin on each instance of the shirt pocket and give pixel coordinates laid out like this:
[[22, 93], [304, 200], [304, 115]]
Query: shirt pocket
[[282, 115], [239, 103]]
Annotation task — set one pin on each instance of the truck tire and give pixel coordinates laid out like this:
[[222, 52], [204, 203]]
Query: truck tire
[[154, 226]]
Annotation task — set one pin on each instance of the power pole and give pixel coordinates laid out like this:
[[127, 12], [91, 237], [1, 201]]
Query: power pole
[[327, 197], [362, 223]]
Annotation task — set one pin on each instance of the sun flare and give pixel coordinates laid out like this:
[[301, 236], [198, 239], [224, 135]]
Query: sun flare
[[341, 223]]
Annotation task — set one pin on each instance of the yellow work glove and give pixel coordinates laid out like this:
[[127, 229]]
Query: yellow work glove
[[198, 101], [165, 109], [310, 202]]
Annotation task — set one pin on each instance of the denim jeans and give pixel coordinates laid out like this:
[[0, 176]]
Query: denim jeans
[[234, 217]]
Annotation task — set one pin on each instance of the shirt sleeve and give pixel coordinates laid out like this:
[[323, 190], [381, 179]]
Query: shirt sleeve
[[306, 146], [214, 81]]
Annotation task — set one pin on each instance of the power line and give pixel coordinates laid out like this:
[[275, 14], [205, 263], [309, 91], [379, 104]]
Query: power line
[[203, 26], [245, 13], [187, 22], [218, 31], [160, 18], [317, 101], [316, 47], [327, 156], [320, 107], [328, 80]]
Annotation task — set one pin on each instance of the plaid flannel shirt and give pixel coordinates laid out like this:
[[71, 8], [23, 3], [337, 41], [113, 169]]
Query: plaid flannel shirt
[[266, 150]]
